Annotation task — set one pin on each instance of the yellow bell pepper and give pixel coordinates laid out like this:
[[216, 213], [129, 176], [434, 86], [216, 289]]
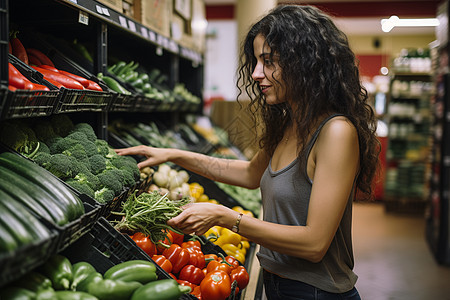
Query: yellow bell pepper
[[203, 198]]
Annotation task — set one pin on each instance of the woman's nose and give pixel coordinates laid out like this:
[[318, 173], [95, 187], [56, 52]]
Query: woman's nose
[[258, 73]]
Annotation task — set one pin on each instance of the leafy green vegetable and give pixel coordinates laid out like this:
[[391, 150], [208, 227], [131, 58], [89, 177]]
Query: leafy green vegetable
[[148, 213]]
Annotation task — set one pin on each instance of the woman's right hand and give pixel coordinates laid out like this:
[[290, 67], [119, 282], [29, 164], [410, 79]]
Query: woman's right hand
[[155, 156]]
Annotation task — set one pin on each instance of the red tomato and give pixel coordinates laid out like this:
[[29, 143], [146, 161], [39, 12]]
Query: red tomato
[[240, 274], [216, 266], [163, 262], [192, 274], [216, 286], [145, 243]]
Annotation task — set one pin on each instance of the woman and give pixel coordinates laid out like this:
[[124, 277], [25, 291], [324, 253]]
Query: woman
[[317, 148]]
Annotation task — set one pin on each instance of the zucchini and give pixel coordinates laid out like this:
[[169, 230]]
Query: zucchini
[[36, 228], [42, 177], [18, 230], [7, 241], [54, 208], [23, 197], [142, 271]]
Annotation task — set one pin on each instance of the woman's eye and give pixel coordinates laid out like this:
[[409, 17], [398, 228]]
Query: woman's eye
[[268, 62]]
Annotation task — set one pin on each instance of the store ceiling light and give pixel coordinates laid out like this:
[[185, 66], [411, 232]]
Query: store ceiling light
[[394, 21]]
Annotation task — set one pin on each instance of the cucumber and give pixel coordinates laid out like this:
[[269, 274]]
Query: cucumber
[[54, 208], [23, 197], [7, 241], [20, 233], [42, 177], [36, 228]]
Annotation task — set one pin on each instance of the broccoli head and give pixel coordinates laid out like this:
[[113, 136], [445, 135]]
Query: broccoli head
[[87, 130], [98, 163], [102, 147], [60, 166], [127, 178], [127, 163], [80, 187], [62, 125], [59, 145], [79, 136], [88, 178], [111, 179], [77, 151], [104, 195], [16, 136], [42, 158]]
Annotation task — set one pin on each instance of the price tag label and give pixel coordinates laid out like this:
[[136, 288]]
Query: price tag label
[[74, 1], [132, 25], [105, 11], [123, 21], [144, 32], [152, 36], [83, 18], [99, 9]]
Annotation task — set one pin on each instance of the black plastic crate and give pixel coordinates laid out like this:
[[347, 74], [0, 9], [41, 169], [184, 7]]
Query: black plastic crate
[[145, 104], [4, 93], [26, 258], [105, 247], [82, 100], [24, 103], [122, 103]]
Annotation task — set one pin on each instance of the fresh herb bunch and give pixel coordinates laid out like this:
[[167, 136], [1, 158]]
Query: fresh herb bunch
[[148, 213]]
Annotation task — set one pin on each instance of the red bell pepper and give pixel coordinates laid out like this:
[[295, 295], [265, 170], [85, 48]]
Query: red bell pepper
[[232, 261], [178, 256], [144, 242], [241, 275], [218, 266], [196, 258], [192, 274], [177, 237], [19, 81], [163, 262], [216, 286], [12, 88]]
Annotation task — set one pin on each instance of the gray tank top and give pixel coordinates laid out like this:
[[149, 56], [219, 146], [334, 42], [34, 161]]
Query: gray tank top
[[285, 198]]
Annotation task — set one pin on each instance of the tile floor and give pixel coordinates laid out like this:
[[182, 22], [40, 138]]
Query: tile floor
[[392, 258]]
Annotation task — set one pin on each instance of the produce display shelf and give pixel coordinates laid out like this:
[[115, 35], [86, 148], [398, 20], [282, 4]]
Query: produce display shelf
[[145, 104], [122, 103]]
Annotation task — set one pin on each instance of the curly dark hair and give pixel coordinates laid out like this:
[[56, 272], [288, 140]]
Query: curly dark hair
[[321, 76]]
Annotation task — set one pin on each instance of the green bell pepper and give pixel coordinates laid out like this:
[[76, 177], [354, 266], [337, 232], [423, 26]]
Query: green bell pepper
[[142, 271], [164, 289], [59, 270], [81, 270], [83, 285], [113, 289]]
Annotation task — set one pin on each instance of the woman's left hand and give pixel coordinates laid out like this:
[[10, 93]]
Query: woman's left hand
[[198, 217]]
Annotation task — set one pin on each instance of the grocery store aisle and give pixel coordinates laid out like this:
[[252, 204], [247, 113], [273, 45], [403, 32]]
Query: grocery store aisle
[[392, 258]]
